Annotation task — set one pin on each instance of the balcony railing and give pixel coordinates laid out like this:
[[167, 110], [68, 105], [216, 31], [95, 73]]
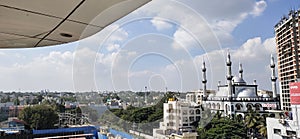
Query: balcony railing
[[236, 99]]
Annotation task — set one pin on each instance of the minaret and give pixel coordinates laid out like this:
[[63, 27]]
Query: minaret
[[273, 77], [241, 71], [146, 99], [204, 81], [229, 76], [219, 84]]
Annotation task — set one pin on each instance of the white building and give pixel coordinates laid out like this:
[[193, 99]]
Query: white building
[[285, 127], [238, 97], [197, 96], [178, 120]]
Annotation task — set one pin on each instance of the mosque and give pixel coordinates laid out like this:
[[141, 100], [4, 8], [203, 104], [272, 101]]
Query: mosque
[[237, 97]]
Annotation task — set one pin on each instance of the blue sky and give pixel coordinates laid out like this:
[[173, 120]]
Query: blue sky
[[263, 25], [162, 44]]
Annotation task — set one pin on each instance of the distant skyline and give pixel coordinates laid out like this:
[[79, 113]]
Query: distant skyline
[[161, 45]]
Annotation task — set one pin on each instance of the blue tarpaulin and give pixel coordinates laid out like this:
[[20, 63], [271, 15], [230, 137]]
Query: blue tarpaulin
[[85, 129]]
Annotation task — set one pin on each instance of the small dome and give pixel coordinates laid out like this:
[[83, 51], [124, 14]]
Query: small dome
[[265, 95], [246, 93], [211, 95], [238, 80]]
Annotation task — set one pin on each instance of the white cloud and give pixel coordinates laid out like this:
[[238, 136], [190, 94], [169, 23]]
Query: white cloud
[[101, 63], [259, 7], [255, 49], [203, 24], [112, 47], [160, 24], [52, 71], [254, 54]]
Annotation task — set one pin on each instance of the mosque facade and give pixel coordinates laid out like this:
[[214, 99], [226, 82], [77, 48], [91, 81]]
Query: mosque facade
[[237, 97]]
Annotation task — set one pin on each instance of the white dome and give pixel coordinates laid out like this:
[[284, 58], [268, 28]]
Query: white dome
[[246, 93], [238, 80], [211, 95], [265, 95]]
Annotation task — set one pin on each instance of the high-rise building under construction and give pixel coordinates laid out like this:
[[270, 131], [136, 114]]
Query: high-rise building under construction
[[287, 44]]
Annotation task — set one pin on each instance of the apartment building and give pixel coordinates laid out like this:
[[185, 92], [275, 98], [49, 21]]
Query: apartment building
[[180, 117], [287, 45]]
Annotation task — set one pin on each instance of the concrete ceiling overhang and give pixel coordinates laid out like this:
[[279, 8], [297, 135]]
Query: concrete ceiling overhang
[[37, 23]]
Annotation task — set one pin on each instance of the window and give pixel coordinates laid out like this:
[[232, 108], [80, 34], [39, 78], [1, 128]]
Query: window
[[191, 111], [257, 107], [192, 119], [170, 106], [185, 119], [198, 111], [238, 107], [198, 118], [277, 131], [292, 133], [171, 124]]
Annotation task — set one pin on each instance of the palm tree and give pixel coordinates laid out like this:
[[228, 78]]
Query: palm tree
[[262, 129], [251, 121], [262, 126]]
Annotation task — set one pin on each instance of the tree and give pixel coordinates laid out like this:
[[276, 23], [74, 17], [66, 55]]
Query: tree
[[16, 101], [39, 116], [262, 126], [222, 127], [256, 124], [6, 99], [39, 98], [251, 120]]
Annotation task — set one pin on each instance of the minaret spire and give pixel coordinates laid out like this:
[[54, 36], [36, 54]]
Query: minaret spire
[[229, 76], [241, 71], [273, 77], [204, 81]]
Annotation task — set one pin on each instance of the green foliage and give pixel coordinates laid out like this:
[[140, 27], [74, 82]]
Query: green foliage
[[16, 101], [59, 108], [6, 99], [140, 119], [222, 127], [111, 96], [139, 115], [39, 116], [146, 114], [40, 98], [69, 98], [233, 127], [256, 123]]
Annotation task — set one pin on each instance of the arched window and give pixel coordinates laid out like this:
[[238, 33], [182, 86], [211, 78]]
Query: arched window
[[213, 105], [218, 106], [258, 106], [249, 106], [238, 106], [209, 105]]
